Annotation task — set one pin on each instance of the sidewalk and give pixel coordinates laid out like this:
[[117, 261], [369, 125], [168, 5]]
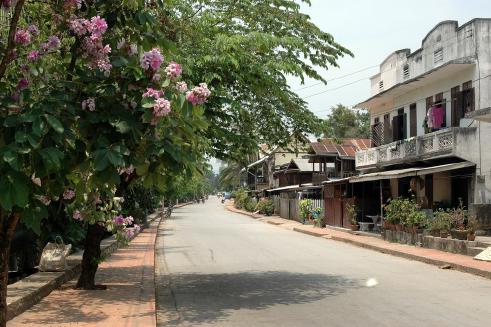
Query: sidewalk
[[129, 300], [439, 258]]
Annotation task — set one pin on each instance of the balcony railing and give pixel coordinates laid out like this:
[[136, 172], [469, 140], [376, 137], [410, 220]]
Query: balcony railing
[[438, 143]]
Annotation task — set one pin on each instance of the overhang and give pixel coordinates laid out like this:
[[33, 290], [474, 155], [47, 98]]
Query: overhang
[[408, 172], [257, 162], [480, 115], [386, 98]]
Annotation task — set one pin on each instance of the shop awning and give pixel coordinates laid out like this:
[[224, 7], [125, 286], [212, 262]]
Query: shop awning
[[338, 180], [407, 172], [295, 187]]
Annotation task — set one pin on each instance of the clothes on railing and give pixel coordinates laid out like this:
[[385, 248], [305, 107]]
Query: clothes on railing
[[435, 117]]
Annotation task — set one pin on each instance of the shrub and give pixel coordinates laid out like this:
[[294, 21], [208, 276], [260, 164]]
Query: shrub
[[240, 198], [442, 221], [352, 211], [405, 212], [250, 204], [265, 207], [305, 207]]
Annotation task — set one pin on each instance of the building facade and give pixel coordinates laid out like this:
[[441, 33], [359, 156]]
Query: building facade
[[424, 109]]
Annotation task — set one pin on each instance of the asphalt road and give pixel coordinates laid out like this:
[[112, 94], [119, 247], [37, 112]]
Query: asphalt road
[[218, 268]]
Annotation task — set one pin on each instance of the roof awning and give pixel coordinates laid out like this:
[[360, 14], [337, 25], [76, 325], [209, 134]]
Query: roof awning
[[290, 187], [338, 180], [296, 187], [385, 98], [407, 172]]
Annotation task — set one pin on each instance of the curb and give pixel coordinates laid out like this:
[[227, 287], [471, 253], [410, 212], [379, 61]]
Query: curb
[[435, 262], [41, 284]]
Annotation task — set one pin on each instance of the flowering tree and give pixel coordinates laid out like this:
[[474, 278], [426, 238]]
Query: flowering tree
[[91, 104]]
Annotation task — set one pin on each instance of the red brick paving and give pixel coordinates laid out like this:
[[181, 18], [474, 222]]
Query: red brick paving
[[456, 261], [129, 300]]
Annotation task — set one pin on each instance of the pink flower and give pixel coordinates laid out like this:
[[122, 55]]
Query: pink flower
[[6, 3], [68, 194], [44, 200], [130, 233], [152, 93], [136, 228], [173, 70], [88, 104], [161, 108], [33, 29], [22, 84], [127, 170], [77, 215], [99, 26], [133, 49], [33, 55], [22, 37], [129, 220], [156, 77], [151, 59], [119, 220], [79, 26], [198, 95], [53, 42], [181, 87]]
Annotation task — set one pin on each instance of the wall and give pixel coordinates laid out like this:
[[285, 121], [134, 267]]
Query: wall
[[442, 187]]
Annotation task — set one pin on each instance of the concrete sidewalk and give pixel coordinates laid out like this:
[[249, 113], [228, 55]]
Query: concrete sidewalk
[[455, 261], [128, 301]]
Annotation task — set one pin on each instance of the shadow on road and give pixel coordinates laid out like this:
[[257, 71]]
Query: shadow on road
[[210, 298]]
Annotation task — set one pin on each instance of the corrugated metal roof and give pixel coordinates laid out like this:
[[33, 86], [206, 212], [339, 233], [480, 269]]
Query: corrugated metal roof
[[347, 147]]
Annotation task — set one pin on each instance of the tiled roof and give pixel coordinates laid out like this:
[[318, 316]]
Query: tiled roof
[[346, 147]]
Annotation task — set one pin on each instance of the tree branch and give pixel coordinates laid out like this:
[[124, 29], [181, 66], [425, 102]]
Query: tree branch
[[10, 43]]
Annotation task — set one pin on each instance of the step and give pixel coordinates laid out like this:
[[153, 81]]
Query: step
[[474, 250]]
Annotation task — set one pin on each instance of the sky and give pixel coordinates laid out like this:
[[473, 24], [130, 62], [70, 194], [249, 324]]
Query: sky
[[373, 29]]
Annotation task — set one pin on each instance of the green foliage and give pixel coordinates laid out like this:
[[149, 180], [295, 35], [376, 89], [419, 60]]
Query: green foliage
[[442, 221], [245, 50], [347, 123], [140, 201], [250, 204], [404, 211], [352, 211], [265, 206], [305, 208], [240, 197]]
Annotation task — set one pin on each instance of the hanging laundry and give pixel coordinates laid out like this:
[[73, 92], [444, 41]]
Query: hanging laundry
[[438, 116], [429, 118]]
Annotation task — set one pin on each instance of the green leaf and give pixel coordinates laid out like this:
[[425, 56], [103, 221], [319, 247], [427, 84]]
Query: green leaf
[[14, 190], [52, 158], [33, 216], [101, 160], [12, 159], [55, 124], [20, 136]]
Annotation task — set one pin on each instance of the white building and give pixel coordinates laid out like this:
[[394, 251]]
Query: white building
[[431, 118]]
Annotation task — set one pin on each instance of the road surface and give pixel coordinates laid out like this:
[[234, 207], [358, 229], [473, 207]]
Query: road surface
[[218, 268]]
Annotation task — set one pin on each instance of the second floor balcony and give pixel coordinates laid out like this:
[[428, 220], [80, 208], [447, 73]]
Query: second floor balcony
[[444, 143]]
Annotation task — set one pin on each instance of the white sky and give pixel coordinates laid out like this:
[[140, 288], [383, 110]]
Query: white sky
[[372, 29]]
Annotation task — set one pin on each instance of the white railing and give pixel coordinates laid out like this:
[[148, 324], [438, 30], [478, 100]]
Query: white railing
[[412, 148]]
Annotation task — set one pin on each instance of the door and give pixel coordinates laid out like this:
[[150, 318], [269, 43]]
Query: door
[[413, 126], [387, 129]]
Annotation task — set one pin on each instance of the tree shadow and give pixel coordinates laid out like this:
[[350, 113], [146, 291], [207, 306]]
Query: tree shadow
[[209, 298]]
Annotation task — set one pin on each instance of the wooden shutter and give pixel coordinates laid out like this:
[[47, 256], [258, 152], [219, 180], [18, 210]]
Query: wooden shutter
[[404, 126], [456, 105], [413, 126]]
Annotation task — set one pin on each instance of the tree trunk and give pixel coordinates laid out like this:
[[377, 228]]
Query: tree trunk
[[7, 228], [91, 258]]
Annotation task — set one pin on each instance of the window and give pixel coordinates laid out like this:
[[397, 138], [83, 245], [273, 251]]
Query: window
[[405, 71], [413, 127], [377, 120], [469, 32], [438, 55], [381, 85], [467, 97]]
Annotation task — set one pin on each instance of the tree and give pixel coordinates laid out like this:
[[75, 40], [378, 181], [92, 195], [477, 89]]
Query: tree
[[245, 50], [90, 108], [346, 123]]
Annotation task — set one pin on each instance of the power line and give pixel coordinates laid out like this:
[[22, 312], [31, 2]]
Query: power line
[[336, 78]]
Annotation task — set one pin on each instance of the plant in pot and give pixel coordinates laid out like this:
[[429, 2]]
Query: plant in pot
[[305, 208], [418, 220], [352, 212], [458, 217], [317, 216], [472, 225], [442, 222]]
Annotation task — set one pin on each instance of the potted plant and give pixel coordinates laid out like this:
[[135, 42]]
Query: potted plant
[[459, 216], [417, 219], [352, 212], [442, 222], [305, 207], [316, 214], [472, 225]]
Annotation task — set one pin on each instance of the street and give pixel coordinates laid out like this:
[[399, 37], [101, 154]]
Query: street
[[218, 268]]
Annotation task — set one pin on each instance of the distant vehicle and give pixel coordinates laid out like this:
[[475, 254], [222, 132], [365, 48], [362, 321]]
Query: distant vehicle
[[227, 195]]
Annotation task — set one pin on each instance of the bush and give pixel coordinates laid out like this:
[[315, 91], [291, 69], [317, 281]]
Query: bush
[[250, 204], [405, 212], [305, 208], [240, 198], [140, 201], [265, 207]]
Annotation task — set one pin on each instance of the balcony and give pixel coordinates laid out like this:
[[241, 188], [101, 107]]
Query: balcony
[[438, 144]]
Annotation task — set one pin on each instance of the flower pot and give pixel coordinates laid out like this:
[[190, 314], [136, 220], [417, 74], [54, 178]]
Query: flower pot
[[443, 234], [398, 227], [471, 236], [355, 227], [435, 233], [459, 234]]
